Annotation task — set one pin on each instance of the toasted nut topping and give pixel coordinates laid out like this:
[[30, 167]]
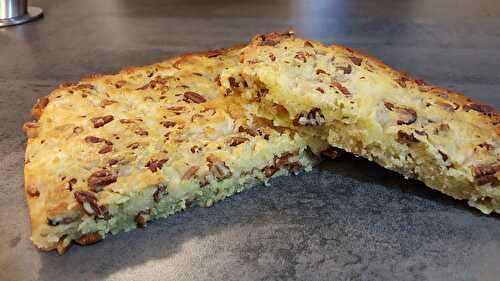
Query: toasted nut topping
[[282, 160], [269, 171], [308, 44], [32, 191], [92, 139], [133, 145], [77, 130], [141, 132], [155, 165], [168, 124], [190, 172], [37, 110], [250, 131], [448, 107], [486, 172], [218, 167], [331, 152], [194, 97], [443, 155], [402, 81], [157, 81], [126, 121], [84, 87], [101, 121], [313, 118], [321, 71], [89, 202], [410, 114], [482, 108], [320, 90], [215, 53], [486, 146], [295, 168], [100, 179], [347, 69], [301, 56], [106, 149], [341, 88], [89, 239], [357, 61], [120, 83], [107, 102], [405, 138], [159, 193], [233, 83], [234, 141], [272, 57]]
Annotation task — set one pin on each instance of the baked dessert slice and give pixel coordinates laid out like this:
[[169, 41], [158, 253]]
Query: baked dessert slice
[[110, 153], [361, 105]]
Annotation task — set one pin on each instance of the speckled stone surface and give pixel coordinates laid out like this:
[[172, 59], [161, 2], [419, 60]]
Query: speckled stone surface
[[347, 220]]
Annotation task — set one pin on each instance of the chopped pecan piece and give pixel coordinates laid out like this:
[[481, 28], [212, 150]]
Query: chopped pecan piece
[[141, 218], [190, 172], [92, 139], [106, 102], [105, 149], [313, 118], [56, 222], [133, 145], [411, 116], [89, 202], [234, 141], [346, 69], [402, 81], [89, 238], [482, 108], [331, 152], [32, 191], [232, 83], [120, 84], [155, 165], [486, 146], [141, 132], [194, 97], [215, 53], [321, 71], [168, 124], [282, 160], [159, 193], [250, 131], [100, 179], [269, 171], [357, 61], [77, 130], [319, 89], [301, 56], [218, 168], [448, 107], [84, 87], [126, 121], [101, 121], [405, 138], [443, 155], [272, 57], [308, 44], [341, 88], [295, 168], [37, 110], [157, 81], [486, 173]]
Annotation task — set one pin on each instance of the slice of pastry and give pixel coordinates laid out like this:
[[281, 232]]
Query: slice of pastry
[[361, 105], [110, 153]]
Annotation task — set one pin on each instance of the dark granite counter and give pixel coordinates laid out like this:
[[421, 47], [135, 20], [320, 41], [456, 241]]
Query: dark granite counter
[[347, 220]]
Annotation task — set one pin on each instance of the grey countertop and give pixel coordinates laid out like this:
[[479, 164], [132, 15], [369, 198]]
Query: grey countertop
[[347, 220]]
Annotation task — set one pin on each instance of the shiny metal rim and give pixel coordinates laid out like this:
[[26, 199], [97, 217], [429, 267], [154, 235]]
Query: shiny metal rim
[[33, 14]]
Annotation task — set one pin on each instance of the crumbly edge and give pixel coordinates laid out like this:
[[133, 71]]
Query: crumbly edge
[[135, 210]]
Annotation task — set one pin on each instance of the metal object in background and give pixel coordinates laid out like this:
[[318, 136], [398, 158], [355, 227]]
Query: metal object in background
[[14, 12]]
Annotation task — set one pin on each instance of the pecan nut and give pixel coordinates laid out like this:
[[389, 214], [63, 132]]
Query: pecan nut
[[102, 120], [98, 180]]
